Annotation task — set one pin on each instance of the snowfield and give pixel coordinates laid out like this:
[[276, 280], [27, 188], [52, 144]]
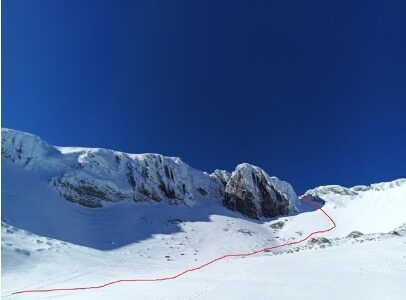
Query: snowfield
[[353, 270], [49, 242]]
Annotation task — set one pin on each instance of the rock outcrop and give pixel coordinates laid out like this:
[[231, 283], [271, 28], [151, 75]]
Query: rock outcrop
[[355, 234], [253, 193]]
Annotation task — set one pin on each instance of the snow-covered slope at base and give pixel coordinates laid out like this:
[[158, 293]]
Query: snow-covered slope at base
[[373, 211], [378, 208], [368, 270]]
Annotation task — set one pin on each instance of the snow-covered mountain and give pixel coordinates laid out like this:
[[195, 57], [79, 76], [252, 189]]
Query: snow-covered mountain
[[75, 217], [95, 177]]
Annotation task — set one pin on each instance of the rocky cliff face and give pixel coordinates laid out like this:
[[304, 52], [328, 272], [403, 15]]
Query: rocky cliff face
[[94, 177], [253, 193], [103, 175]]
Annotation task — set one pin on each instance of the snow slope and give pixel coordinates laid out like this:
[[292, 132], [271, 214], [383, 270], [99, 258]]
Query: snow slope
[[378, 208], [374, 269]]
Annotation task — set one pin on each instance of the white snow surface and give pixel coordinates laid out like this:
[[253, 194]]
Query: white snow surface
[[380, 208], [49, 242]]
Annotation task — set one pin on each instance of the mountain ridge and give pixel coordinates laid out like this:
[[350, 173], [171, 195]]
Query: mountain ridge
[[93, 177]]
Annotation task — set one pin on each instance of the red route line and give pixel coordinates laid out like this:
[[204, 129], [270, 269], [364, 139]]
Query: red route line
[[192, 269]]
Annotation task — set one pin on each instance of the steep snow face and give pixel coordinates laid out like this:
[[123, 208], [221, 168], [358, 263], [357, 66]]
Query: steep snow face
[[253, 193], [27, 150], [94, 177]]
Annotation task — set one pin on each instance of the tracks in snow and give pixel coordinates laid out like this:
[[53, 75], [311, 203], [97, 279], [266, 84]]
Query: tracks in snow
[[175, 276]]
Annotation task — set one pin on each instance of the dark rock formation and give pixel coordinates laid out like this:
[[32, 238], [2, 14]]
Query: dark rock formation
[[277, 225], [251, 192], [321, 242], [355, 234]]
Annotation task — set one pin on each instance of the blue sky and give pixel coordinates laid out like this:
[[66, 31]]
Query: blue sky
[[311, 91]]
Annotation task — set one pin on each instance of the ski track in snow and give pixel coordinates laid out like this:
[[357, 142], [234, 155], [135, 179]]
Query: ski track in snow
[[191, 269]]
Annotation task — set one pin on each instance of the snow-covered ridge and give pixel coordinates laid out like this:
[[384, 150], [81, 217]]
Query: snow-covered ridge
[[328, 191], [93, 177], [24, 148]]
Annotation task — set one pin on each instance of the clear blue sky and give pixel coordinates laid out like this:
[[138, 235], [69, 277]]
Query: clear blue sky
[[313, 92]]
